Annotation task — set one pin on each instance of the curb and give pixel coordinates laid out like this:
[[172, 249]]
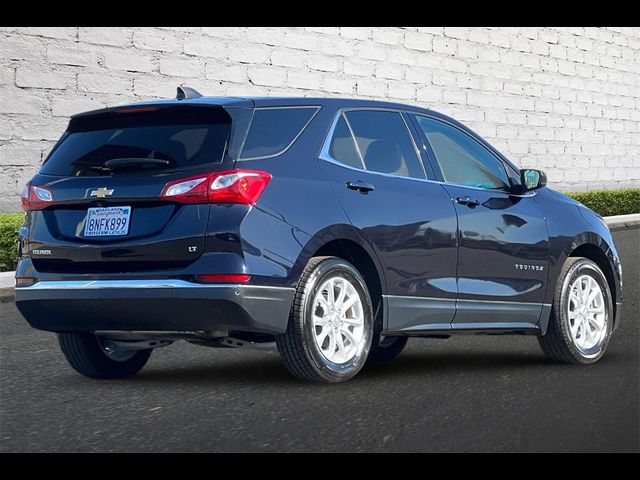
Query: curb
[[615, 223], [7, 295], [622, 222]]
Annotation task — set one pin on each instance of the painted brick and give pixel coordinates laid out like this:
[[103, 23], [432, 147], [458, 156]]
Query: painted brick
[[359, 67], [303, 79], [181, 67], [390, 70], [429, 94], [42, 78], [339, 85], [401, 90], [250, 54], [149, 86], [71, 55], [21, 48], [562, 99], [418, 41], [356, 33], [67, 106], [267, 36], [7, 75], [457, 32], [268, 76], [324, 63], [232, 33], [16, 100], [162, 40], [129, 60], [203, 46], [301, 40], [370, 51], [227, 72], [372, 87], [68, 33], [388, 36], [116, 36], [100, 83], [17, 155]]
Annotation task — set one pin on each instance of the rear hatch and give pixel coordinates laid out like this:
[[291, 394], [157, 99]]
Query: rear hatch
[[106, 176]]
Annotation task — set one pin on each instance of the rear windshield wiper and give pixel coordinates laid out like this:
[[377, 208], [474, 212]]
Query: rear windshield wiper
[[116, 163]]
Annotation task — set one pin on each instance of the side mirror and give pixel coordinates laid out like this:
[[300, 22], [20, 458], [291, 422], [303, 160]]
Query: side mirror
[[532, 179]]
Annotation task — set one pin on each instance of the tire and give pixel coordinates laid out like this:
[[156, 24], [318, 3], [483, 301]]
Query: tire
[[299, 347], [85, 354], [566, 340], [386, 348]]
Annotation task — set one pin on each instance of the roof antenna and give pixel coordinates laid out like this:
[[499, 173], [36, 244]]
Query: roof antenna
[[186, 93]]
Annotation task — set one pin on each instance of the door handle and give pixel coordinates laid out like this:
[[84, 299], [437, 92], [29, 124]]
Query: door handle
[[468, 201], [360, 186]]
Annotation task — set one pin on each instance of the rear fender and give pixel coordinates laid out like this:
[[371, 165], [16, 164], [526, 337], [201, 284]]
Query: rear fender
[[330, 234]]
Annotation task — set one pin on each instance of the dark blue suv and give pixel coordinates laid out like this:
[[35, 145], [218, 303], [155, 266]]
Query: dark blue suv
[[332, 229]]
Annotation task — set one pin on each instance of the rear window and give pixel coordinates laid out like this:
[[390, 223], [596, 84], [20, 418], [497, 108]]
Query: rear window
[[273, 130], [165, 139]]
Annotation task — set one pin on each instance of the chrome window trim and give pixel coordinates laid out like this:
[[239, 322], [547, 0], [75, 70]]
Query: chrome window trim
[[135, 284], [324, 152], [324, 155], [284, 150]]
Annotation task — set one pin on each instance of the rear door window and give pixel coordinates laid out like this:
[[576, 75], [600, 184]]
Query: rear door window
[[114, 143], [274, 129], [384, 143]]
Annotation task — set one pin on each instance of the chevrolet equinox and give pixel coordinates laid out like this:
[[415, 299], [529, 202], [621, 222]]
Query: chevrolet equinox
[[330, 229]]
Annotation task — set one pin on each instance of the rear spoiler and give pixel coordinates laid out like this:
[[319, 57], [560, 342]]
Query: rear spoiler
[[190, 109]]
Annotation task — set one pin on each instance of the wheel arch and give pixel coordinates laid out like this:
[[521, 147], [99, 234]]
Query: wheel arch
[[345, 242], [596, 254]]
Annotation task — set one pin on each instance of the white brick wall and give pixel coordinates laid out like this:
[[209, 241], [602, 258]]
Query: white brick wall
[[566, 100]]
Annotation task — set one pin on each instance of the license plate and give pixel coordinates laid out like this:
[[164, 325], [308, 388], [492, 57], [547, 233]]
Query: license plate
[[107, 221]]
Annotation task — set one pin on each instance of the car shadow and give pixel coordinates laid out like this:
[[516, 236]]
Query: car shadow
[[265, 371], [456, 362], [408, 367], [270, 371]]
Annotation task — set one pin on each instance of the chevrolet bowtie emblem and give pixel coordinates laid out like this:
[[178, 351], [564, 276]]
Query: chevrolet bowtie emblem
[[101, 192]]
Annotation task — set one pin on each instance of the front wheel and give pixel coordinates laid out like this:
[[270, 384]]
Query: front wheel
[[331, 323], [581, 315], [86, 355]]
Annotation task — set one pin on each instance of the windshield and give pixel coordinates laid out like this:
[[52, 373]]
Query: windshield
[[135, 143]]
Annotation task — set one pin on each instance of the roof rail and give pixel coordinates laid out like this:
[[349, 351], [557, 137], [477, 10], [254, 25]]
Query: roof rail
[[186, 93]]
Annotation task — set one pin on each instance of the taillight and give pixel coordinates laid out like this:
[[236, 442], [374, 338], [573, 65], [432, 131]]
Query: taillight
[[231, 186], [24, 197], [240, 186], [35, 198], [188, 190]]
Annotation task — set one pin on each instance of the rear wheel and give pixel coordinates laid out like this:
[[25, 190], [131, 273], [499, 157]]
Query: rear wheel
[[86, 354], [386, 349], [580, 323], [331, 323]]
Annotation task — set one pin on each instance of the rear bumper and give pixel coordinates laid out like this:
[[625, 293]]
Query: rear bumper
[[159, 305]]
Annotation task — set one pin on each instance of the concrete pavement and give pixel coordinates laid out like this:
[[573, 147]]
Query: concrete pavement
[[484, 393]]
